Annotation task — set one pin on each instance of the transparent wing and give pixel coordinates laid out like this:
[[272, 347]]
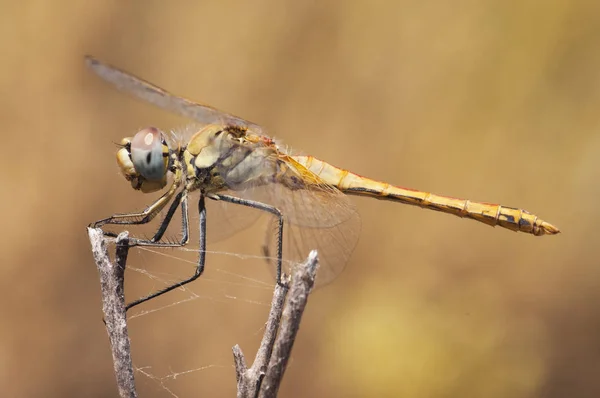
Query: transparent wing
[[316, 216], [334, 245], [161, 98]]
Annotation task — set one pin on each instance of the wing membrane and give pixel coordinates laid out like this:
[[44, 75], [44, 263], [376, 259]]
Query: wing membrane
[[161, 98]]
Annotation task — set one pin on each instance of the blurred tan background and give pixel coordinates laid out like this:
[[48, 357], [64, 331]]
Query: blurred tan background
[[489, 100]]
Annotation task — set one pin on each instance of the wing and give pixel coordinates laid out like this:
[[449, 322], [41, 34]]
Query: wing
[[163, 99], [316, 215]]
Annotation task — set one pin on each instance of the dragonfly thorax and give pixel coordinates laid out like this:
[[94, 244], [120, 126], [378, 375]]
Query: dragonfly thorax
[[225, 157]]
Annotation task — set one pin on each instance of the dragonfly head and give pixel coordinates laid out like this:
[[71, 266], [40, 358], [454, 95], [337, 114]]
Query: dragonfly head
[[144, 159]]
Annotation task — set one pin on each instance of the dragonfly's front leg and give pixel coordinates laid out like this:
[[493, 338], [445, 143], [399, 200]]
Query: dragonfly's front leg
[[148, 215], [142, 217]]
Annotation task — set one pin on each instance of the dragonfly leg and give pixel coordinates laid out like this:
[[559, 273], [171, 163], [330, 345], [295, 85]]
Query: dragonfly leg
[[202, 251], [269, 209], [142, 217], [155, 240], [181, 198]]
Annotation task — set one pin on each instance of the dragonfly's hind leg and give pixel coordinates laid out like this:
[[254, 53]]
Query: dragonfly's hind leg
[[269, 209]]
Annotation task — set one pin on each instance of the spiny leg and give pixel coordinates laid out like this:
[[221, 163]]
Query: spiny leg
[[155, 241], [269, 209], [142, 217], [201, 258]]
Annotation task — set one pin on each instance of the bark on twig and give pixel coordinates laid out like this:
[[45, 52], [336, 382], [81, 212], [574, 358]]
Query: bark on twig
[[264, 377], [113, 306]]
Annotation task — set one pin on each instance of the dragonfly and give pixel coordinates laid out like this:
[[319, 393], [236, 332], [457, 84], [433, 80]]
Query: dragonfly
[[231, 160]]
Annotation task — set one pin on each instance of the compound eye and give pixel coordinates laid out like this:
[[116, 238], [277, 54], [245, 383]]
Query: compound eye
[[148, 154]]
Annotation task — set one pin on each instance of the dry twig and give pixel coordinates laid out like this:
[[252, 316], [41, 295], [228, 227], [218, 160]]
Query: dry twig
[[113, 306], [263, 378]]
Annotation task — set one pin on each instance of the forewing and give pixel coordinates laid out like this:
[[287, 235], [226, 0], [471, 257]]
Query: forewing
[[161, 98]]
